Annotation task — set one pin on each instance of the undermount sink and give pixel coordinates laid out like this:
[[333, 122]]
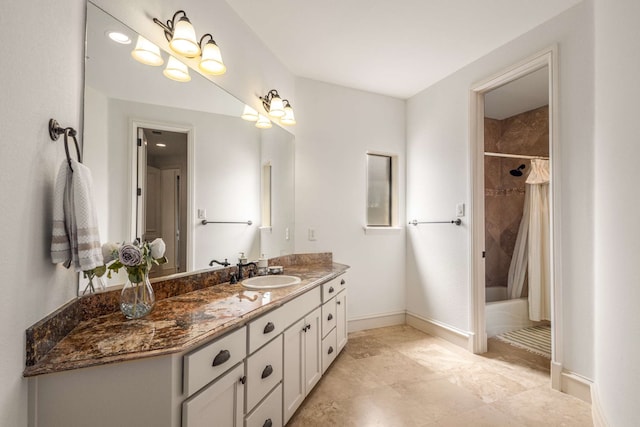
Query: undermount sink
[[270, 282]]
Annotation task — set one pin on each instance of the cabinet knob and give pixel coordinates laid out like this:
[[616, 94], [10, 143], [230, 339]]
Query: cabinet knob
[[330, 316], [269, 328], [222, 357], [342, 282], [268, 370], [268, 423], [330, 350], [331, 289], [338, 302], [243, 379]]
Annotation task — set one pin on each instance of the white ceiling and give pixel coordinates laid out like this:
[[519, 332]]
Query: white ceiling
[[395, 48]]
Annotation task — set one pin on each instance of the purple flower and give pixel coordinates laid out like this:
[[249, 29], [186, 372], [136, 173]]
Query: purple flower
[[129, 255]]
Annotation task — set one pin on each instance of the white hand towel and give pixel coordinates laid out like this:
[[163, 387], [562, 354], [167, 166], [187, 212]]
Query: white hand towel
[[75, 238]]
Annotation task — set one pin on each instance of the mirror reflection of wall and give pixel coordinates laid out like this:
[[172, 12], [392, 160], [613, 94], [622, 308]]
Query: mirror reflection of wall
[[220, 180]]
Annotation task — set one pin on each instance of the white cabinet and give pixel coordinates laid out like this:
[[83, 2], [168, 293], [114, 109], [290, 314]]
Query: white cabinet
[[221, 403], [269, 412], [302, 360], [264, 371], [341, 319], [329, 350]]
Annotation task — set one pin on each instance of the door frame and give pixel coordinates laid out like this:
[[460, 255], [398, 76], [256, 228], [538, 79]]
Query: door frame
[[133, 159], [549, 58]]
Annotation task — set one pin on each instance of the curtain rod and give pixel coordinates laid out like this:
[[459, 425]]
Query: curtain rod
[[514, 156]]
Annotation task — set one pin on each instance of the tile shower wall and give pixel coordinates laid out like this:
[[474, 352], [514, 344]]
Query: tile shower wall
[[526, 133]]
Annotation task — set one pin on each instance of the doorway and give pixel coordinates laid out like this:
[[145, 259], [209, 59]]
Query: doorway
[[505, 151], [162, 189]]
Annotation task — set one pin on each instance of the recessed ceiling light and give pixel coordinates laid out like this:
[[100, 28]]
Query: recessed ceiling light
[[118, 37], [160, 144]]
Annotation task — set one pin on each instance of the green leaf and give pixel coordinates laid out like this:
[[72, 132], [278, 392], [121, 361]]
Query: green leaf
[[100, 270]]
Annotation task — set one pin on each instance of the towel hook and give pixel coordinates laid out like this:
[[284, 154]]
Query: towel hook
[[55, 130]]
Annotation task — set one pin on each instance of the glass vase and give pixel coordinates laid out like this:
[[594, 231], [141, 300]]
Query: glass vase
[[94, 285], [137, 298]]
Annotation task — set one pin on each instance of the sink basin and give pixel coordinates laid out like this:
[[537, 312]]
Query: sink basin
[[270, 282]]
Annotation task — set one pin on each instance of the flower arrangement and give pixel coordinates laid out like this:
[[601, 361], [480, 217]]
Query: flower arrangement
[[137, 258]]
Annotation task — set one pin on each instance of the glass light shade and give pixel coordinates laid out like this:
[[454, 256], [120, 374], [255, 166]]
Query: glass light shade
[[176, 70], [288, 119], [211, 62], [147, 52], [276, 107], [249, 114], [184, 39], [263, 122]]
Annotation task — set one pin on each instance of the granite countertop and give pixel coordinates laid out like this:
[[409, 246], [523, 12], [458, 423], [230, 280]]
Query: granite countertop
[[176, 324]]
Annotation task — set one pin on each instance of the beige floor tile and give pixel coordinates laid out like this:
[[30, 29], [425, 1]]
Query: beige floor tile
[[484, 416]]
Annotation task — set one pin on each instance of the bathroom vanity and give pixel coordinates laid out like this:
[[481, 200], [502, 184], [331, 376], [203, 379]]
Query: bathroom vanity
[[220, 354]]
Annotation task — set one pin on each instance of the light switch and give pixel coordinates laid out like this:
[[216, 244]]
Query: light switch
[[202, 214], [460, 210], [312, 234]]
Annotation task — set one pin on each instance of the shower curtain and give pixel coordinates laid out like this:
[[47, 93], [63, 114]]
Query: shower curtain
[[531, 253]]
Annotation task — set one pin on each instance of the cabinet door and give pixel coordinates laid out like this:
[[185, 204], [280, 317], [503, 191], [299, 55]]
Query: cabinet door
[[312, 349], [341, 320], [293, 375], [220, 404]]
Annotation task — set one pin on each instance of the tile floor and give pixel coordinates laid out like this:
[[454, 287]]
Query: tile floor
[[399, 376]]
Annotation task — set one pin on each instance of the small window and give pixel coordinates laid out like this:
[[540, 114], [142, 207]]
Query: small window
[[381, 190]]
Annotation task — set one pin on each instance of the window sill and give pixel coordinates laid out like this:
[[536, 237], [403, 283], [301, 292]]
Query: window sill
[[382, 230]]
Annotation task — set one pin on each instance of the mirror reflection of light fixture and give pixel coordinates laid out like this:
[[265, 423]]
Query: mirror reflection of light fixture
[[180, 35], [263, 122], [176, 70], [249, 114], [288, 119], [272, 104], [211, 60], [147, 52], [118, 37]]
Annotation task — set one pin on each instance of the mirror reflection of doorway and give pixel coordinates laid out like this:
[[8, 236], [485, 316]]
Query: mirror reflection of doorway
[[162, 195]]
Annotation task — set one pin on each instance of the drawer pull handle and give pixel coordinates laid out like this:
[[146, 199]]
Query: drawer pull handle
[[330, 316], [331, 289], [338, 302], [330, 350], [222, 357], [342, 282], [269, 328], [243, 379], [268, 423], [268, 370]]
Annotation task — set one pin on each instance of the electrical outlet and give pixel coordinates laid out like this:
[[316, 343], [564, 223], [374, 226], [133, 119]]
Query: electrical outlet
[[202, 214], [312, 234], [460, 210], [286, 233]]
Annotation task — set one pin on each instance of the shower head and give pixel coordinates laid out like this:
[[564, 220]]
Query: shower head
[[517, 172]]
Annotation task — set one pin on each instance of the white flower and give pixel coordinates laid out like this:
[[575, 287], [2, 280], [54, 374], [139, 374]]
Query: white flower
[[157, 248], [109, 251]]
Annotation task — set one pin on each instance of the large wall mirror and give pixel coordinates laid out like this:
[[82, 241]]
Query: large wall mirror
[[165, 155]]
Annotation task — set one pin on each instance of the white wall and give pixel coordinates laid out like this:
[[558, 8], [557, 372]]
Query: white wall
[[336, 126], [437, 178], [34, 89], [617, 231]]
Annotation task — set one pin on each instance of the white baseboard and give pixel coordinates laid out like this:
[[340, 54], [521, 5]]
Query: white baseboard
[[556, 376], [576, 386], [596, 409], [449, 333], [376, 321]]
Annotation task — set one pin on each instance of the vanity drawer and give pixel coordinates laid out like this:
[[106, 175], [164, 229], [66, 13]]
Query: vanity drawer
[[267, 327], [205, 364], [269, 412], [332, 287], [264, 371], [300, 306], [328, 316], [329, 350]]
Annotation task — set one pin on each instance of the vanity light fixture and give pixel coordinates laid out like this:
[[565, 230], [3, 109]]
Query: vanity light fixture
[[272, 104], [249, 114], [180, 35], [147, 52], [288, 119], [211, 60], [176, 70], [263, 122]]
